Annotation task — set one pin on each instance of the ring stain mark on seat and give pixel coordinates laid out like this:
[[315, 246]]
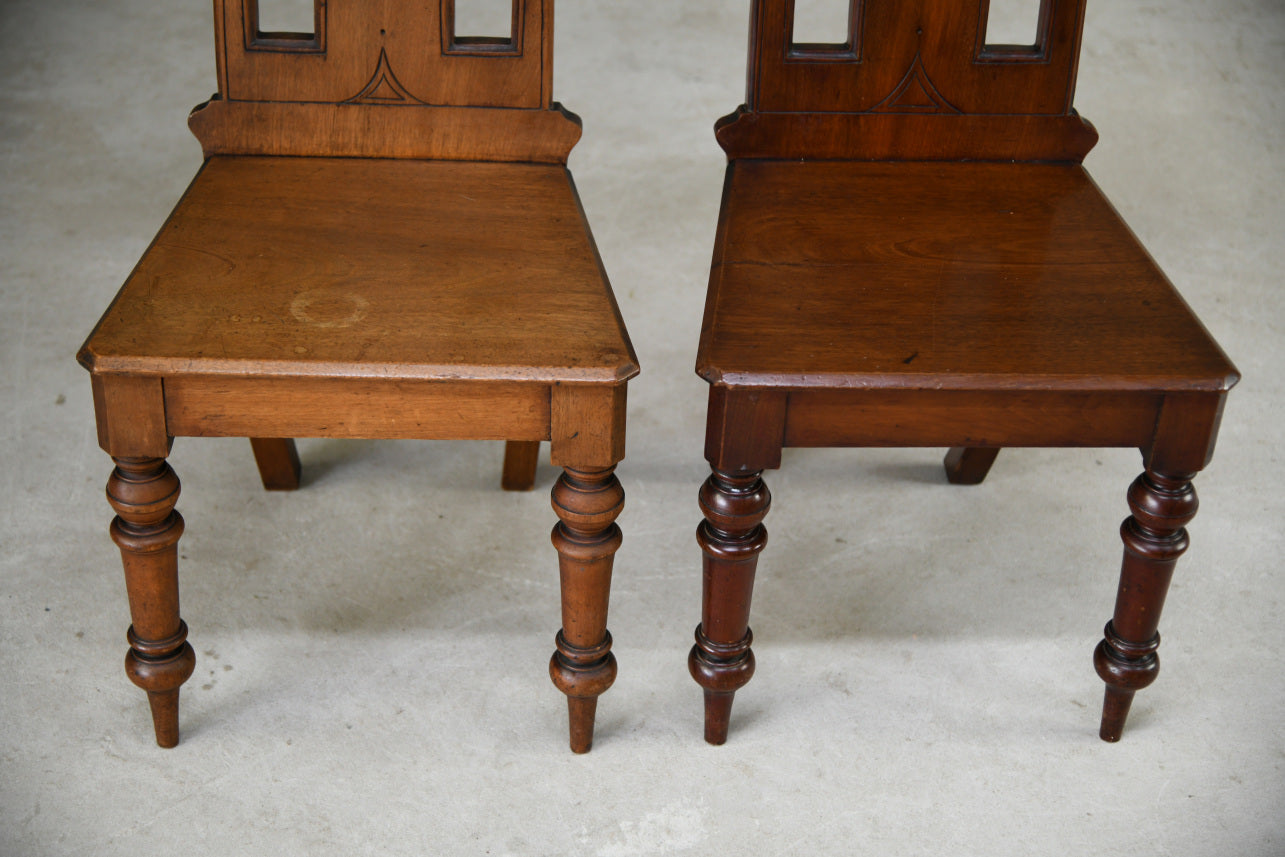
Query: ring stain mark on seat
[[322, 308]]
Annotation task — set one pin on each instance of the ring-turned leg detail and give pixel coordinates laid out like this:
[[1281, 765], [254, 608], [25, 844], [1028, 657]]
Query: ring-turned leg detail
[[147, 529], [586, 537], [1154, 537], [731, 538]]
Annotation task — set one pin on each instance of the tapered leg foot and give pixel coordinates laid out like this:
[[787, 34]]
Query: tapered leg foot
[[1154, 537], [721, 669], [278, 461], [164, 707], [968, 465], [731, 538], [1115, 710], [581, 711], [718, 716], [520, 460], [586, 537], [147, 529], [161, 676]]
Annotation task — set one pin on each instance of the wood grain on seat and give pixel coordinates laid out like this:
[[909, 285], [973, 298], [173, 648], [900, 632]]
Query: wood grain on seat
[[395, 269], [935, 276]]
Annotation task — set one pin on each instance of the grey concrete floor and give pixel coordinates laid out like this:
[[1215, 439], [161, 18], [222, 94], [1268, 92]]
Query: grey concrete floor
[[372, 649]]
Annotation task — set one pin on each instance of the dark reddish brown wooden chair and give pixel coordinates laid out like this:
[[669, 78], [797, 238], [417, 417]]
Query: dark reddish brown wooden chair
[[383, 242], [909, 253]]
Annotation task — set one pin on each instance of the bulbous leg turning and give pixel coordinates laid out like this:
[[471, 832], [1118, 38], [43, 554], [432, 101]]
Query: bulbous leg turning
[[586, 537], [731, 538], [143, 492], [1154, 537]]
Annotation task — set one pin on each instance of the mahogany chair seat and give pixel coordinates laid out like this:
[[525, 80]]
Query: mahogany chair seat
[[383, 242], [910, 253], [368, 269], [857, 275]]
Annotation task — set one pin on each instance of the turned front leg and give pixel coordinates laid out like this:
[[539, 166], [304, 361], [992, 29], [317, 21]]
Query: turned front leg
[[1154, 537], [586, 537], [731, 538], [143, 492]]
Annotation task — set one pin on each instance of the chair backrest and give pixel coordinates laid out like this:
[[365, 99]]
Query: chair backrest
[[914, 80], [385, 78]]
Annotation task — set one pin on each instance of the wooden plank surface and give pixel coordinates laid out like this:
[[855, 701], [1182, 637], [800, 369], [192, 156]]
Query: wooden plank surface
[[370, 268], [921, 275]]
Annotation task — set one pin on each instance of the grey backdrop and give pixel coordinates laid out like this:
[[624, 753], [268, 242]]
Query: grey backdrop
[[372, 650]]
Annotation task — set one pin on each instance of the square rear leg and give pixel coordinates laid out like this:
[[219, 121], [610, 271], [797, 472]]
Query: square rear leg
[[968, 465], [278, 461]]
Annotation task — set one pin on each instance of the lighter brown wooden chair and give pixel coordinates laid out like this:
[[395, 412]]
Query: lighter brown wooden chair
[[383, 242], [909, 253]]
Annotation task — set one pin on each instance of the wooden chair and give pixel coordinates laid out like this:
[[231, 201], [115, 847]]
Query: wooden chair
[[383, 242], [909, 253]]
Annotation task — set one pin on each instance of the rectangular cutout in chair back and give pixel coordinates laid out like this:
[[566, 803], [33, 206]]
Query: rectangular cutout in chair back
[[1015, 27], [488, 26], [285, 20], [819, 27], [386, 79]]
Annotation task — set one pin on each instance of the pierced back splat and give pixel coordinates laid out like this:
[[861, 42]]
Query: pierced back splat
[[385, 78], [915, 81]]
